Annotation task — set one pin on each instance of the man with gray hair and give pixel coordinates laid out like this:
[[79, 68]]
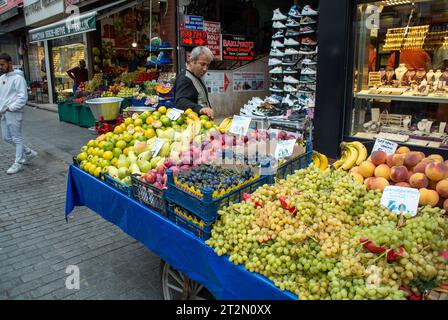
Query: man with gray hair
[[190, 90]]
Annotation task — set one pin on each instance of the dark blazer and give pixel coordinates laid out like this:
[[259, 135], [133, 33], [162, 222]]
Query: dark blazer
[[186, 95]]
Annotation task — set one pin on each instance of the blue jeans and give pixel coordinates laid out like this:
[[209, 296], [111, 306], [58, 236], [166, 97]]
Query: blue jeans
[[11, 124]]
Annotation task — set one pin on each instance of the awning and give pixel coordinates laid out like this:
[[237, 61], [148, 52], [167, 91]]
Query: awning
[[67, 27]]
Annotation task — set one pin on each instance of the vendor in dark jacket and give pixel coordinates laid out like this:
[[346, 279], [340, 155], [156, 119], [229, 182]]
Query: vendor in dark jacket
[[190, 90]]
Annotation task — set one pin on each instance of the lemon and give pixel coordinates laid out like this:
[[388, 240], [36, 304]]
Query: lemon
[[149, 120], [87, 166], [109, 135], [156, 115], [128, 121], [104, 163], [108, 155], [162, 110], [92, 169], [99, 153], [113, 162], [149, 133], [138, 122], [84, 149], [209, 124], [126, 151], [108, 146], [188, 111], [116, 152], [118, 130], [82, 156], [97, 172], [205, 117]]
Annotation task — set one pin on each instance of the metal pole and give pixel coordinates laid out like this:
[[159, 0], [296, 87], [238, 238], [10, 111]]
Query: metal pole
[[49, 72]]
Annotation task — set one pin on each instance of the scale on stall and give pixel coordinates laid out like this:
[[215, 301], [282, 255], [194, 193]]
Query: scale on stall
[[106, 112]]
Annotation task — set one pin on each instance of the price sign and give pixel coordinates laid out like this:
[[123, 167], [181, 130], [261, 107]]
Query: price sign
[[240, 125], [158, 144], [401, 200], [387, 146], [285, 148], [174, 114]]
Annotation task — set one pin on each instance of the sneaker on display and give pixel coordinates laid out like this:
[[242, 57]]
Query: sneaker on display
[[306, 30], [290, 79], [308, 71], [276, 79], [305, 89], [308, 41], [276, 53], [278, 25], [290, 70], [273, 99], [291, 51], [306, 50], [276, 70], [289, 100], [294, 12], [308, 62], [292, 23], [275, 88], [291, 42], [16, 167], [274, 62], [277, 44], [307, 79], [308, 11], [291, 33], [290, 88], [279, 34], [278, 15], [307, 20]]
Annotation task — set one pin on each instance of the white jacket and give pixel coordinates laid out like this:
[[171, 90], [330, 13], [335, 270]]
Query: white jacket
[[13, 91]]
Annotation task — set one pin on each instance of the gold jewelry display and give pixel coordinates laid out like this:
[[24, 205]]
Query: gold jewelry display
[[415, 38]]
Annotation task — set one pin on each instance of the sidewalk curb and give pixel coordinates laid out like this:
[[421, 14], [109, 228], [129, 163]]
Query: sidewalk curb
[[35, 105]]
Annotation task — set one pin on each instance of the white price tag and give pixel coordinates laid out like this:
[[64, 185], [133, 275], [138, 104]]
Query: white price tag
[[401, 200], [387, 146], [158, 144], [240, 125], [285, 148], [174, 114]]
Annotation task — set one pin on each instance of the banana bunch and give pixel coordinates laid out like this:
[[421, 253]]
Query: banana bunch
[[225, 125], [353, 153], [320, 160]]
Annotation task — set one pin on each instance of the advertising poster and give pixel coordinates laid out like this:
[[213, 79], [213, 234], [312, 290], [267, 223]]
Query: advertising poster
[[237, 48], [248, 81]]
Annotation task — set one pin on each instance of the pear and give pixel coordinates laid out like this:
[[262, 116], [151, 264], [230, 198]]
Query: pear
[[132, 157], [123, 173], [144, 165], [127, 181], [123, 162], [145, 156], [113, 172], [135, 169]]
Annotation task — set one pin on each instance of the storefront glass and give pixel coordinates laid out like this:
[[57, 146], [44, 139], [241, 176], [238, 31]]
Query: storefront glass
[[401, 72], [37, 74], [66, 55]]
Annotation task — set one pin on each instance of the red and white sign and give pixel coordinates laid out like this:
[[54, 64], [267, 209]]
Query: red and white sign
[[216, 82], [214, 43], [5, 5]]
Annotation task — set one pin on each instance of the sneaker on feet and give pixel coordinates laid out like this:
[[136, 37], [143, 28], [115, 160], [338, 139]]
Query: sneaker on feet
[[279, 34], [276, 53], [306, 50], [291, 42], [290, 79], [292, 23], [308, 41], [16, 167], [306, 29], [278, 15], [294, 12], [27, 157], [276, 70], [274, 62], [291, 33], [307, 20], [277, 44], [308, 11], [308, 71], [291, 51], [278, 25]]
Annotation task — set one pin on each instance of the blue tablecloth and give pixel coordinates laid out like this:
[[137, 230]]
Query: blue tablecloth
[[178, 247]]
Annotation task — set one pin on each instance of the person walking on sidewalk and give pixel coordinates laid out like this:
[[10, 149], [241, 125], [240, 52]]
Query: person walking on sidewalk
[[13, 97]]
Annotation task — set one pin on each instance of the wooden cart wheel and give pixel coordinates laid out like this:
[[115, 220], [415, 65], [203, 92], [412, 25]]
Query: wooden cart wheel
[[177, 286]]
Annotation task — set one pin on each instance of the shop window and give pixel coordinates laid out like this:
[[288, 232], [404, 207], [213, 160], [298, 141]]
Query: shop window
[[401, 72]]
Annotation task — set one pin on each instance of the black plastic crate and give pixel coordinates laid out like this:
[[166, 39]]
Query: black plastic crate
[[149, 195]]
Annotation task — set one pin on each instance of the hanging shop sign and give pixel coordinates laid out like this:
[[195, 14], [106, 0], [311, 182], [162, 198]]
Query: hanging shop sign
[[65, 27], [194, 23], [6, 15], [213, 42], [38, 10], [248, 81], [237, 48], [192, 38], [5, 5]]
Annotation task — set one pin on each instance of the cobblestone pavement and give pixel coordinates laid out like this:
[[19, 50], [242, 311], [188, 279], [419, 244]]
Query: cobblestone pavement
[[36, 243]]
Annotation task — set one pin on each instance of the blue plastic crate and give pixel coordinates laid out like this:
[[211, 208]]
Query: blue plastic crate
[[207, 207], [290, 166], [190, 222], [123, 188]]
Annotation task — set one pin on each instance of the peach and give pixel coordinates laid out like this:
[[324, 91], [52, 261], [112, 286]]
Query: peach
[[422, 154], [421, 166], [403, 185], [428, 197], [412, 159], [399, 174], [445, 205], [446, 163], [436, 171], [366, 169], [442, 188], [382, 171], [357, 177], [395, 160], [379, 157], [366, 181], [418, 181], [377, 184], [432, 184], [436, 157], [403, 150], [354, 170]]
